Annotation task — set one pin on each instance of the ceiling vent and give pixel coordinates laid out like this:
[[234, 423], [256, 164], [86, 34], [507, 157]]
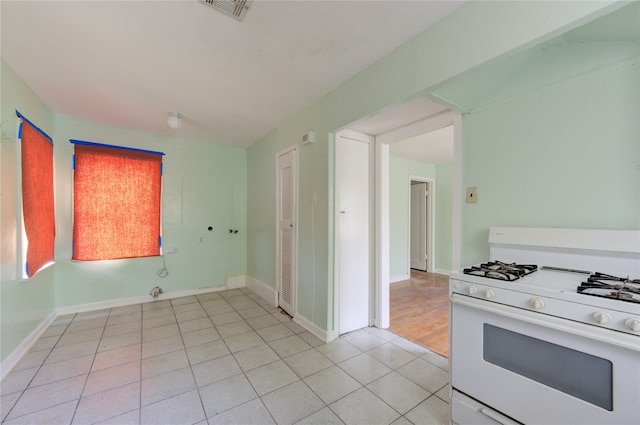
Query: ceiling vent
[[234, 8]]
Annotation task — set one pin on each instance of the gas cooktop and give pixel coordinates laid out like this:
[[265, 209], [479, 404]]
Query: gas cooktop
[[597, 284], [501, 270], [607, 286]]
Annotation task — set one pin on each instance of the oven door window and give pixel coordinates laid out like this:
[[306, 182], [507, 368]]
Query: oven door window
[[581, 375]]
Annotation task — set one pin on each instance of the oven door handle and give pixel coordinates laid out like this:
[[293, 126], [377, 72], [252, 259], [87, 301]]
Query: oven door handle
[[630, 342], [501, 419]]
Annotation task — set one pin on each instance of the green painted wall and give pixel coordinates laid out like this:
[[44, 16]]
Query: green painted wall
[[565, 155], [199, 177], [444, 216], [400, 171], [474, 34], [24, 304], [203, 185]]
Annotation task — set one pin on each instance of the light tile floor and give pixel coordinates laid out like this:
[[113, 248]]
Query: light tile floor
[[219, 358]]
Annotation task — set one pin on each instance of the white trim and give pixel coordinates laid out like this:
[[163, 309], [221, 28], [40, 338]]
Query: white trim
[[236, 281], [263, 290], [399, 278], [122, 302], [427, 125], [326, 336], [381, 234], [23, 348], [442, 271], [456, 225]]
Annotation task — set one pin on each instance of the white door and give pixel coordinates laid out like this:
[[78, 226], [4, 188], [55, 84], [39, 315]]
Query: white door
[[353, 203], [286, 241], [418, 226]]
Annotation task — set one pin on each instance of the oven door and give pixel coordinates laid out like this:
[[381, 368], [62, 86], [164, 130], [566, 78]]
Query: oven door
[[540, 369]]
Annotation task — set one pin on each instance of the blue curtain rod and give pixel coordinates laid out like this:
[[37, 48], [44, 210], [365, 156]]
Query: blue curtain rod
[[82, 142], [22, 117]]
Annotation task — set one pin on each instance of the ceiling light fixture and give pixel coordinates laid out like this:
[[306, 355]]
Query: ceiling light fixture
[[174, 120]]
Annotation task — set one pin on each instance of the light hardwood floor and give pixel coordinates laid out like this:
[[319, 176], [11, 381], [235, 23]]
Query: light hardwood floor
[[420, 310]]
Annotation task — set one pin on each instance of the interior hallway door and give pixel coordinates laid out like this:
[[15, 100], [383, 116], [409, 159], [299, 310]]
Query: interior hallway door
[[418, 226], [353, 221], [286, 210]]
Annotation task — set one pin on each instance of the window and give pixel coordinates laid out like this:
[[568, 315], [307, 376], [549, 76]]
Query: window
[[117, 201], [38, 212]]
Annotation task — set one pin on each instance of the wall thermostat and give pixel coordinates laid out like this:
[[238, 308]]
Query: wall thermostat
[[309, 137]]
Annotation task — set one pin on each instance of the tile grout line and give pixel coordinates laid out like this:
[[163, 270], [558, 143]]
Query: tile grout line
[[264, 342], [38, 371], [195, 381], [75, 411]]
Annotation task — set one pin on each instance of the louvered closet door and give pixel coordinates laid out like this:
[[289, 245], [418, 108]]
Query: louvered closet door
[[286, 210]]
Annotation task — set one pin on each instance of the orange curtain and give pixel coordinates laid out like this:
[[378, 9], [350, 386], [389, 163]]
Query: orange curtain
[[117, 196], [37, 196]]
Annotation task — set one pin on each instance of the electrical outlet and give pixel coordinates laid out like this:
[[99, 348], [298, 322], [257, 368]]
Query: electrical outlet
[[472, 196], [200, 239]]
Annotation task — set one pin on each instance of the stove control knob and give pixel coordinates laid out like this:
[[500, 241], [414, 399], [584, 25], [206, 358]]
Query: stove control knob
[[472, 290], [536, 303], [633, 324], [602, 318], [489, 293]]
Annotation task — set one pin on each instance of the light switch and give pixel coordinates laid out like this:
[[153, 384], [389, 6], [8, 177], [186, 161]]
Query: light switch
[[472, 196]]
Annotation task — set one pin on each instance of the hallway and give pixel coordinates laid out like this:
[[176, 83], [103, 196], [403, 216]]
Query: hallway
[[419, 310]]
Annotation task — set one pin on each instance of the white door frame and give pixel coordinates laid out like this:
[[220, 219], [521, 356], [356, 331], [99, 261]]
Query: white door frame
[[350, 134], [431, 213], [294, 273], [381, 207]]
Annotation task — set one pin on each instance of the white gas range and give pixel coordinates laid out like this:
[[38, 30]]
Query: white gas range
[[528, 346]]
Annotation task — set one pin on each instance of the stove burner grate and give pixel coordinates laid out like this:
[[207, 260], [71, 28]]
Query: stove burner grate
[[501, 271], [613, 287]]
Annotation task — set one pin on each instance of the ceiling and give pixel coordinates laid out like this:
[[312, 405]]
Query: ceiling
[[435, 147], [130, 63]]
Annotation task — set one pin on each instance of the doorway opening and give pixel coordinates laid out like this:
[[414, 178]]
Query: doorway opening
[[389, 256], [421, 232], [419, 297]]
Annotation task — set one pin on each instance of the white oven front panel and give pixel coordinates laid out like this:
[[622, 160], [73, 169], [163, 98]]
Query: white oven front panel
[[536, 368]]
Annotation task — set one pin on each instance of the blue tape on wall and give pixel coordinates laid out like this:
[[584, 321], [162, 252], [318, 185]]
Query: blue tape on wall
[[73, 162], [160, 241], [83, 142], [22, 117]]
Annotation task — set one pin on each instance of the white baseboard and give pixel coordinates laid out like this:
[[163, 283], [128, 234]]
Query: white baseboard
[[263, 290], [122, 302], [442, 271], [400, 278], [12, 359], [326, 336], [236, 281]]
